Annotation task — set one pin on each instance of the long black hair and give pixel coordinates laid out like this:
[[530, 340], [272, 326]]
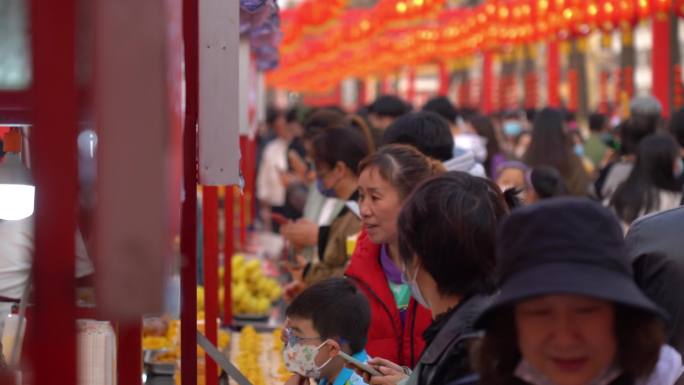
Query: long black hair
[[653, 171], [551, 146], [485, 128]]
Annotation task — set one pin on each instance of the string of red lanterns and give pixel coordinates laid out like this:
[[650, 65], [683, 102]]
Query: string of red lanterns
[[318, 54]]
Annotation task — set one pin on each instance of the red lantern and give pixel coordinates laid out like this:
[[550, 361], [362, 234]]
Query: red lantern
[[661, 8], [626, 15], [679, 7], [592, 13], [643, 9], [608, 14]]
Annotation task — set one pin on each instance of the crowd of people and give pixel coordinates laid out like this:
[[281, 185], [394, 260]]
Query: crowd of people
[[446, 246]]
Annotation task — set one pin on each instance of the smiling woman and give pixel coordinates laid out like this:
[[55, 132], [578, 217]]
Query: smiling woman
[[569, 312]]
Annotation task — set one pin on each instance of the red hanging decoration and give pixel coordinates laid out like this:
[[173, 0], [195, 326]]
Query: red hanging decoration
[[679, 8], [608, 17], [643, 9], [661, 8], [626, 15]]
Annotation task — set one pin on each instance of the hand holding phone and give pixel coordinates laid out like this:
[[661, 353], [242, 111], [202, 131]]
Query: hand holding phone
[[358, 364], [279, 219]]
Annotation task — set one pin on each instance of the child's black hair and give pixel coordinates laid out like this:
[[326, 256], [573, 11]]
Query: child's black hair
[[337, 309]]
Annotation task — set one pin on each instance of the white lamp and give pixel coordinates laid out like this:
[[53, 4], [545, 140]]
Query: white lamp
[[17, 190]]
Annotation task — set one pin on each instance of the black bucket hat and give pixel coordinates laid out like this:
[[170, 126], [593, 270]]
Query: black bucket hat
[[564, 246]]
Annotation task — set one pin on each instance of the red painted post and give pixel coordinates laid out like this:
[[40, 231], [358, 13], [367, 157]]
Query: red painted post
[[361, 100], [553, 70], [129, 353], [661, 61], [189, 205], [487, 84], [243, 207], [210, 222], [228, 249], [411, 92], [53, 149], [444, 79]]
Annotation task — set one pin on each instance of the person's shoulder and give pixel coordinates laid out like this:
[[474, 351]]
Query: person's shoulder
[[662, 218]]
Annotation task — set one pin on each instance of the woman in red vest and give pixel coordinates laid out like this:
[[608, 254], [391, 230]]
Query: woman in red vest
[[386, 179]]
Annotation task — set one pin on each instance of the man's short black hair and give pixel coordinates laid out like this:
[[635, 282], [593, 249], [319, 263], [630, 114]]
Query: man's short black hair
[[449, 223], [597, 122], [442, 106], [389, 105], [273, 113], [337, 309], [344, 145], [426, 131]]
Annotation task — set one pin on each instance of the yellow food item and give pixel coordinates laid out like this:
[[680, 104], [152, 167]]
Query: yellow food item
[[168, 357], [248, 358], [156, 343], [223, 339]]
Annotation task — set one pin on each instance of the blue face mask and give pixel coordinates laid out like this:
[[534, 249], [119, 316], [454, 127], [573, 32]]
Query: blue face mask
[[326, 192], [679, 170], [579, 150], [512, 128]]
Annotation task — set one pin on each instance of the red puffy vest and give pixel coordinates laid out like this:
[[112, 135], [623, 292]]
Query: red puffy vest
[[386, 337]]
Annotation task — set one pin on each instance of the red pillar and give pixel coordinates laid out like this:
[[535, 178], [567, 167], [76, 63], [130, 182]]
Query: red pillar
[[553, 69], [189, 206], [361, 100], [129, 353], [661, 61], [411, 91], [386, 85], [228, 249], [243, 201], [53, 141], [444, 79], [487, 95], [210, 222]]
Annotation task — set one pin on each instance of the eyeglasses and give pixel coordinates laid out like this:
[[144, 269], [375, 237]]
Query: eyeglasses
[[293, 339]]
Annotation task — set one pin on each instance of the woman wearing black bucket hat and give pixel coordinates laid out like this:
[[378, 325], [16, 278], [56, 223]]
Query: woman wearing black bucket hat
[[568, 311]]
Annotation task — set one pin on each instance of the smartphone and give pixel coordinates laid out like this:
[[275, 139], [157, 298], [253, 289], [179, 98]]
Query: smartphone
[[279, 218], [366, 368]]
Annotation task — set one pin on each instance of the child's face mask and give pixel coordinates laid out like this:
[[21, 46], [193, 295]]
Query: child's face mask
[[301, 358]]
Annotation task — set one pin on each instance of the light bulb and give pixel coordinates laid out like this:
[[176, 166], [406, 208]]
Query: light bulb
[[16, 201]]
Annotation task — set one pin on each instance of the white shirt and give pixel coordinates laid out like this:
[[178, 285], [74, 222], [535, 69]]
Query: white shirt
[[16, 258], [269, 185]]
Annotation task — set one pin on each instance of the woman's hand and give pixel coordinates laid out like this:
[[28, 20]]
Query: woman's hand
[[301, 233], [292, 290]]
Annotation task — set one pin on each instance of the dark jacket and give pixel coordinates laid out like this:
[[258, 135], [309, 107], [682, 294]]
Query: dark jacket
[[622, 380], [655, 244], [387, 338], [446, 360], [332, 246]]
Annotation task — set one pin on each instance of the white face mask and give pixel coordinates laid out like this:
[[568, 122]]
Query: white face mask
[[415, 289], [301, 358]]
